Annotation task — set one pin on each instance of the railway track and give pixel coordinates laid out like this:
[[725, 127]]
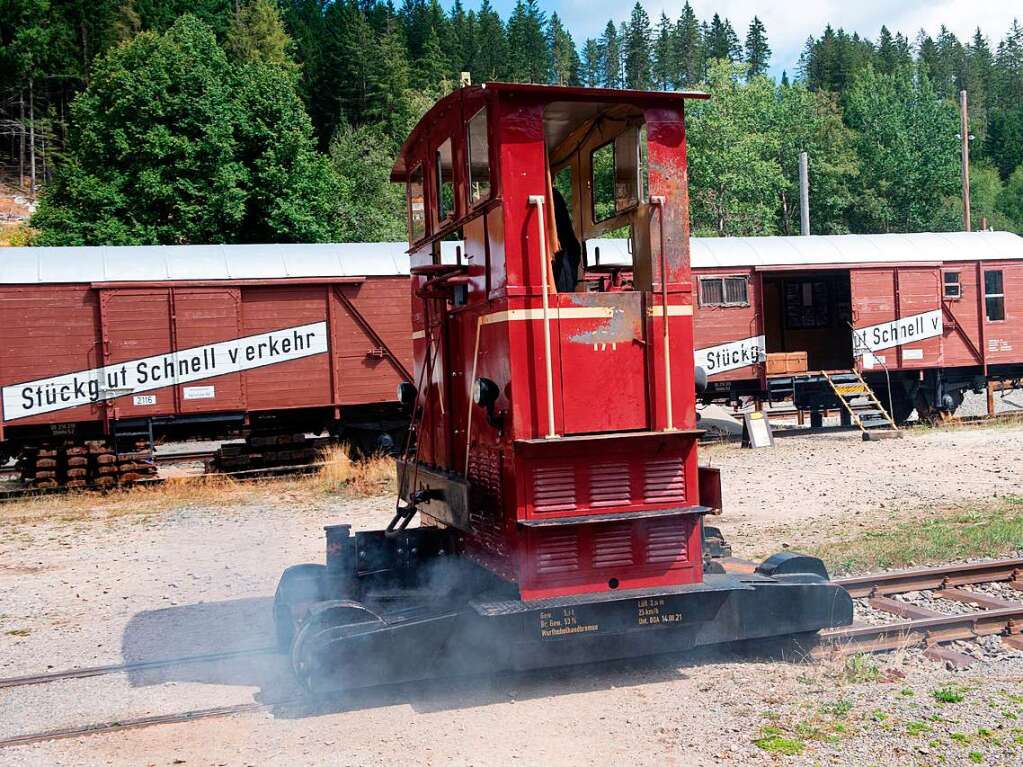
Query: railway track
[[917, 625], [119, 725], [127, 668], [244, 475]]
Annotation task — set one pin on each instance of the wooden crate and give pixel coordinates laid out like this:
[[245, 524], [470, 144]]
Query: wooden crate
[[779, 363]]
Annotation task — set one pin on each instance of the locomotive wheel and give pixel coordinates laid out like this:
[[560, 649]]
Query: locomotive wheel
[[300, 586], [317, 657]]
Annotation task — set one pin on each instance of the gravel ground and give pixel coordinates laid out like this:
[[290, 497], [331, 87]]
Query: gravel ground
[[103, 586]]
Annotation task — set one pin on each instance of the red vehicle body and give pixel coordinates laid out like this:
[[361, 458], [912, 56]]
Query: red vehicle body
[[554, 471], [196, 338]]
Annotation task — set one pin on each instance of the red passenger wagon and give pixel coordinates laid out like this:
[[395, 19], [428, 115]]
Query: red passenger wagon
[[555, 473]]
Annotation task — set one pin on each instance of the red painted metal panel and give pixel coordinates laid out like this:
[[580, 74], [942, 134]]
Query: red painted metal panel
[[365, 370], [48, 331], [919, 291], [205, 316], [137, 324], [297, 383], [1003, 340], [717, 325]]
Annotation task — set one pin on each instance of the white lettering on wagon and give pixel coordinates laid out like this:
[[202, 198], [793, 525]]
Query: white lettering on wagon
[[886, 335], [83, 387], [732, 355]]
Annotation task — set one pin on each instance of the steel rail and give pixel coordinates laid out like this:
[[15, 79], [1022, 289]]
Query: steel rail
[[948, 576], [125, 668], [895, 636], [137, 723]]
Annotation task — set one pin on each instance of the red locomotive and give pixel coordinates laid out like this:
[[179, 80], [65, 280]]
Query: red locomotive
[[555, 462]]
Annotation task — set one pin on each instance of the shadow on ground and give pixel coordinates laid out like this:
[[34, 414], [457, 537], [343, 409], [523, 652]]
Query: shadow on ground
[[245, 624]]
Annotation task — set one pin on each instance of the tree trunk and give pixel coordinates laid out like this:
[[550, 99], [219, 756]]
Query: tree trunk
[[32, 133], [21, 138]]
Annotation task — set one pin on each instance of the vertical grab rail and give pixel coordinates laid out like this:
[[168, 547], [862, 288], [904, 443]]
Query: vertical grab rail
[[658, 201], [538, 201]]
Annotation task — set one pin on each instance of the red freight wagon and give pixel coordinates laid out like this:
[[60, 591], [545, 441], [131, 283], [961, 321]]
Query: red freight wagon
[[933, 314], [103, 342]]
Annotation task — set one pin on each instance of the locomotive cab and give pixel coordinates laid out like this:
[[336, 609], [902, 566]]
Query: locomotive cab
[[578, 471], [552, 462]]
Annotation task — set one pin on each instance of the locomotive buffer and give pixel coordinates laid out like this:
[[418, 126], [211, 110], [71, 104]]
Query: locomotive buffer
[[554, 474]]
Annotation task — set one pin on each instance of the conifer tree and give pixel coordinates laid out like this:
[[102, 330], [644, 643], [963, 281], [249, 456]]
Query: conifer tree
[[591, 62], [257, 35], [528, 52], [610, 57], [721, 42], [636, 50], [663, 71], [564, 57], [758, 53], [492, 47], [688, 49]]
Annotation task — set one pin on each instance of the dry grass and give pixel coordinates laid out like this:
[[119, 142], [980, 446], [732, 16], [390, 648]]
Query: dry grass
[[16, 235], [339, 475], [368, 477]]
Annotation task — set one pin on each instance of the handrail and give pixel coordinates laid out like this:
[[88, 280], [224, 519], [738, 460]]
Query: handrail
[[658, 201], [538, 201]]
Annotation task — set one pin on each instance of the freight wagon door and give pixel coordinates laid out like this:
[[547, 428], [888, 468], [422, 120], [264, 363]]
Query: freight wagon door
[[205, 316], [137, 327]]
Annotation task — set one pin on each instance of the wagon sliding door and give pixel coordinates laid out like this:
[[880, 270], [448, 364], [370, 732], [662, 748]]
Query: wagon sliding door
[[205, 316], [136, 324]]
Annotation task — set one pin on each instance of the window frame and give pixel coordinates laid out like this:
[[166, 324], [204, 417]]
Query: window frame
[[444, 216], [989, 296], [420, 168], [945, 285], [470, 203], [724, 303]]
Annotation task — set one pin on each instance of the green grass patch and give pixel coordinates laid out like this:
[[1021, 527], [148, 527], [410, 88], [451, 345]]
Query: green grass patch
[[773, 741], [976, 757], [917, 728], [960, 737], [861, 668], [948, 694], [990, 529]]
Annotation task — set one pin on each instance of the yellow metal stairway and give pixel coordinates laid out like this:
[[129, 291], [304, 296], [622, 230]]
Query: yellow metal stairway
[[859, 400]]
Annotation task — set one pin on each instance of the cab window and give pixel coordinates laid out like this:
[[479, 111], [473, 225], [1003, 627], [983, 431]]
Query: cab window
[[445, 182], [416, 204], [478, 158], [616, 168]]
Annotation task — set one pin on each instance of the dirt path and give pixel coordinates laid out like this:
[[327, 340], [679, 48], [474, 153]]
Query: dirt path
[[109, 585]]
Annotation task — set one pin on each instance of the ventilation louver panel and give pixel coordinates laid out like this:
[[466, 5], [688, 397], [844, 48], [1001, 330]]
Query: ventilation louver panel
[[664, 481], [610, 485], [554, 488]]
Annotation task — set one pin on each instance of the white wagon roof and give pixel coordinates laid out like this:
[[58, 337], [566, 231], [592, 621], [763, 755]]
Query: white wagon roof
[[820, 250], [241, 262]]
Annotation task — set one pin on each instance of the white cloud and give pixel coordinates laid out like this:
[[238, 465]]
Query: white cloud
[[790, 23]]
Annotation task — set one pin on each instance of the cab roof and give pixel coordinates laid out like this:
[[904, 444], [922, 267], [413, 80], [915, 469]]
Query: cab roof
[[549, 93]]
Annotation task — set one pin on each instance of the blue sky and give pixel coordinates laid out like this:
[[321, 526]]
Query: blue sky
[[790, 23]]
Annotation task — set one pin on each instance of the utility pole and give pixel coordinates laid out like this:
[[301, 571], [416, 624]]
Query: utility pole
[[964, 135], [804, 194]]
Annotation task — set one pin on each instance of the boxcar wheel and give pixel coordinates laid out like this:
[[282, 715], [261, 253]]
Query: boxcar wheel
[[300, 587]]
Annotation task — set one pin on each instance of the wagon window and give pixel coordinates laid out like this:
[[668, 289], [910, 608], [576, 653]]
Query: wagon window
[[994, 295], [479, 158], [416, 204], [953, 289], [445, 182], [724, 291]]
